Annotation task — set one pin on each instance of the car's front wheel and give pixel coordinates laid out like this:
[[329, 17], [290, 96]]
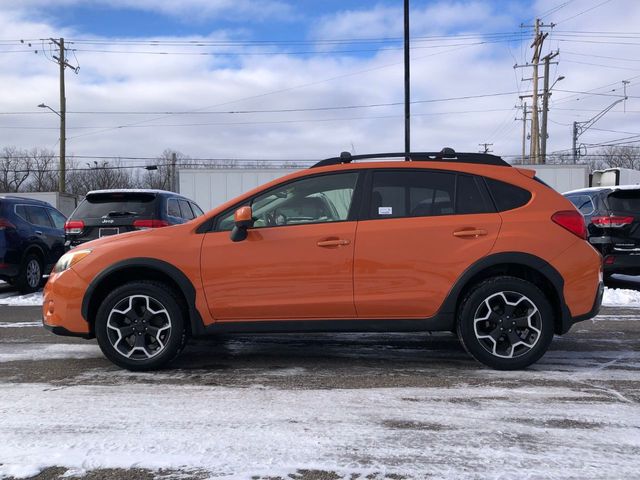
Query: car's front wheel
[[506, 323], [141, 325]]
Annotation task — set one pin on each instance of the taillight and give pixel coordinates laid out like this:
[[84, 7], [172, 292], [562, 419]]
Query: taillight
[[6, 224], [74, 226], [142, 224], [611, 221], [572, 220]]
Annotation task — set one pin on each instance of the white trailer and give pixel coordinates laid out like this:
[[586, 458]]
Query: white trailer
[[65, 202], [614, 176], [561, 178], [212, 187]]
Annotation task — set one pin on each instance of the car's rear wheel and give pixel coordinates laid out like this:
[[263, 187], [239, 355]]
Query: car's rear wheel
[[30, 275], [141, 325], [506, 323]]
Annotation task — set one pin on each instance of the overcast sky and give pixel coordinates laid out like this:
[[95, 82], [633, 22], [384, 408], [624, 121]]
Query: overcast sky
[[298, 64]]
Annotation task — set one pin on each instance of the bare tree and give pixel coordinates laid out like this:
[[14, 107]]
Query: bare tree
[[44, 171], [160, 178], [102, 175], [15, 167]]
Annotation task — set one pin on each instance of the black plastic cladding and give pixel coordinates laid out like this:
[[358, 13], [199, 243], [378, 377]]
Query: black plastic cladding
[[446, 155]]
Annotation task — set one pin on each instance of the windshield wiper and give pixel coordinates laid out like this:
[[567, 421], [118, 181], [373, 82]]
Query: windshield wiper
[[123, 213]]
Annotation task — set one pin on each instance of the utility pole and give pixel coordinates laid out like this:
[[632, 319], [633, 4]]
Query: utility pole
[[574, 144], [580, 127], [407, 84], [535, 131], [524, 133], [62, 62], [173, 173], [534, 151], [485, 147], [545, 105]]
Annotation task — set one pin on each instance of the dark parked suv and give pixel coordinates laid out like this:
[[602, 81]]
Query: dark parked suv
[[31, 241], [110, 212], [612, 215]]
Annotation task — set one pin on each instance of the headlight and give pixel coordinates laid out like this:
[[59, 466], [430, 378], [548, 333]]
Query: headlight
[[69, 259]]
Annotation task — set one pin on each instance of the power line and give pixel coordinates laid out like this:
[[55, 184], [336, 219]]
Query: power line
[[583, 12], [265, 122]]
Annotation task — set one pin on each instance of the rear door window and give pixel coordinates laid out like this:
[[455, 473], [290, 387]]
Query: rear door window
[[38, 216], [116, 205], [624, 201], [185, 210], [411, 193], [471, 196]]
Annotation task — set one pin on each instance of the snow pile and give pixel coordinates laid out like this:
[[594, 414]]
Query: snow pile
[[31, 299], [621, 297], [241, 432]]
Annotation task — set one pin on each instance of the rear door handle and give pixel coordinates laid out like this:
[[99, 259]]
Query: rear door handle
[[470, 233], [38, 232], [333, 243]]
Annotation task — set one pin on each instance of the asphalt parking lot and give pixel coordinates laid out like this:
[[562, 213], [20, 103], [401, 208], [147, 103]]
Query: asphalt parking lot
[[322, 406]]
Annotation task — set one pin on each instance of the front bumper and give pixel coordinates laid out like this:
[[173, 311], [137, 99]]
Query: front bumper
[[62, 304]]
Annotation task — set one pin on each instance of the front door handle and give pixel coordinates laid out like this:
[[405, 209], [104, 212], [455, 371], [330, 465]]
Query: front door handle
[[470, 233], [38, 232], [338, 242]]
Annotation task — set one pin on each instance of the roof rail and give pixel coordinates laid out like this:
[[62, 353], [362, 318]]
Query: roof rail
[[445, 155]]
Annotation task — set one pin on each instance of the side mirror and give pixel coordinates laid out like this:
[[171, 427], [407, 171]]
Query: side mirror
[[243, 219]]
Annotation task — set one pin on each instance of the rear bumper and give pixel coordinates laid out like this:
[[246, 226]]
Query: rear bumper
[[622, 263], [595, 309]]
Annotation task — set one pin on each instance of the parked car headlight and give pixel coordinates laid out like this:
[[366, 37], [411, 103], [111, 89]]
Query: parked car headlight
[[69, 259]]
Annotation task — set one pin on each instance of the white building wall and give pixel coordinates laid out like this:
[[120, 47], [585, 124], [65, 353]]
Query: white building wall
[[212, 187]]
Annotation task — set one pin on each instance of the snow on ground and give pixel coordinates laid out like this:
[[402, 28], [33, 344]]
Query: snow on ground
[[11, 298], [34, 351], [621, 297], [237, 433], [20, 324]]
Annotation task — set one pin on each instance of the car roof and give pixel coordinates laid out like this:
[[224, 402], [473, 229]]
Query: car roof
[[136, 190], [32, 201], [611, 188]]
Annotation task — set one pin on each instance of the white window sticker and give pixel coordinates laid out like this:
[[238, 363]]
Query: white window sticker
[[385, 210]]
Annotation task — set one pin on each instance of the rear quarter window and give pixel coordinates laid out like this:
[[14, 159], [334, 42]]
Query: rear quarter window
[[583, 203], [507, 196]]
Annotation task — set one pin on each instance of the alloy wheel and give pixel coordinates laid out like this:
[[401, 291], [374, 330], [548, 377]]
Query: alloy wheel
[[507, 324], [34, 274], [138, 327]]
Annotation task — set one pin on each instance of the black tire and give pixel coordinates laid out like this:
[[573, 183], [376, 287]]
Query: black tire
[[29, 277], [151, 307], [498, 346]]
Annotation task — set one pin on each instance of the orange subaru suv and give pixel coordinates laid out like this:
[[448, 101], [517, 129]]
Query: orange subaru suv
[[446, 241]]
